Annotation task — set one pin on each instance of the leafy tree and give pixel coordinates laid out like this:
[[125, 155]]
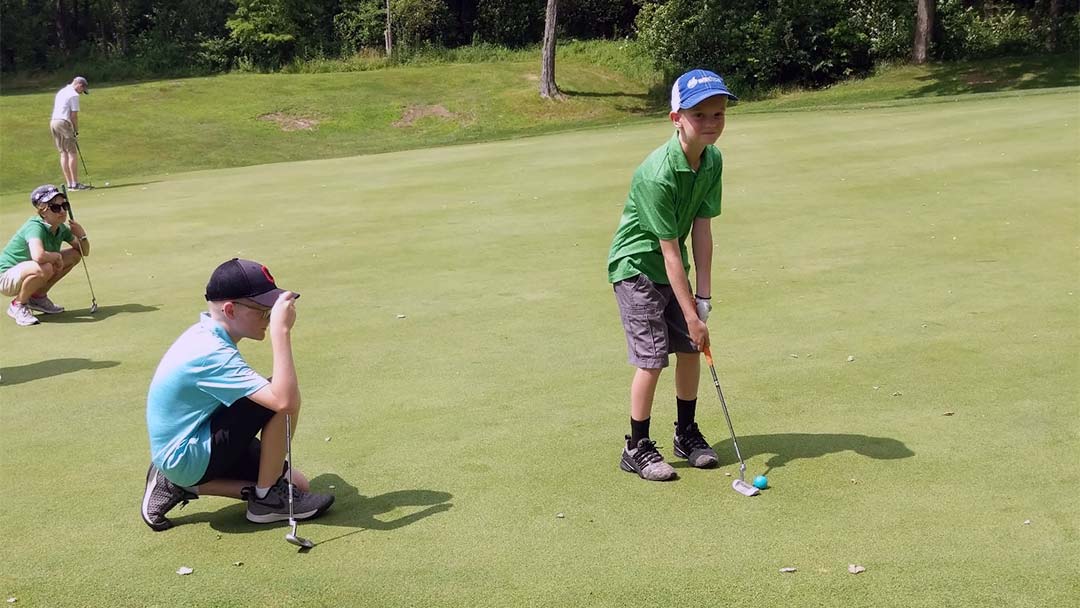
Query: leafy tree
[[361, 23], [510, 22], [262, 31], [756, 44], [420, 22]]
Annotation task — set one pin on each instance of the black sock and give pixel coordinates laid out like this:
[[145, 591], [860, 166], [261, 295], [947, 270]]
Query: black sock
[[639, 429], [687, 408]]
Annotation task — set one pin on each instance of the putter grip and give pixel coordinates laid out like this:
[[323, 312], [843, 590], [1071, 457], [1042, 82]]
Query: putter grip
[[708, 355]]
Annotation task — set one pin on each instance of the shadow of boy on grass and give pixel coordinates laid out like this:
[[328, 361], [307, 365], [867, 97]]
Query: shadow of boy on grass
[[786, 447], [387, 511]]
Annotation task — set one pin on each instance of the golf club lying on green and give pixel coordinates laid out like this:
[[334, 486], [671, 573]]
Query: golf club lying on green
[[71, 214], [739, 485]]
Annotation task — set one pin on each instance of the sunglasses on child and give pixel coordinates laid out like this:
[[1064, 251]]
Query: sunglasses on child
[[265, 311], [57, 208]]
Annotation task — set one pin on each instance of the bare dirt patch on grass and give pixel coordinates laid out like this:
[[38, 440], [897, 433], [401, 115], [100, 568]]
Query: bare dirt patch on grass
[[288, 122], [415, 113]]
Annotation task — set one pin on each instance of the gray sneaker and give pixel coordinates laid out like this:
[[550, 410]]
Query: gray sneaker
[[646, 461], [45, 305], [160, 496], [21, 313], [692, 446], [275, 507]]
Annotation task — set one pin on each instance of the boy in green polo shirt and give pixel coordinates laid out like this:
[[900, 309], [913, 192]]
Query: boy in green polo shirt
[[675, 193]]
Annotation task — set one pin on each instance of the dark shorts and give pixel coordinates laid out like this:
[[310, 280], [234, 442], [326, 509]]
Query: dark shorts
[[654, 324], [234, 447]]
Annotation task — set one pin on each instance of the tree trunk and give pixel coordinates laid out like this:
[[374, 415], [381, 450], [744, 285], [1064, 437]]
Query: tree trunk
[[548, 88], [1055, 26], [61, 24], [924, 29], [389, 32]]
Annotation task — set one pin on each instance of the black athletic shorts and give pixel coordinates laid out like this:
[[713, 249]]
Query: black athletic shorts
[[234, 447]]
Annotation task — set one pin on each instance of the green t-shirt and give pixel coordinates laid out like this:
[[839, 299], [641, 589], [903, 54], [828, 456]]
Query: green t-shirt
[[666, 195], [18, 248]]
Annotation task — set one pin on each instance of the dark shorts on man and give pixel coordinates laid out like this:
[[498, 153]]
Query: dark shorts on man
[[654, 324], [234, 447]]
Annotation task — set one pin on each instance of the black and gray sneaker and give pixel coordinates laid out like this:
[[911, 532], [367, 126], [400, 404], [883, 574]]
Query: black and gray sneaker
[[646, 461], [691, 445], [159, 497], [275, 506]]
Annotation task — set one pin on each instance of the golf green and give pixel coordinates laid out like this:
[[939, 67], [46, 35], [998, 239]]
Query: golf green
[[896, 331]]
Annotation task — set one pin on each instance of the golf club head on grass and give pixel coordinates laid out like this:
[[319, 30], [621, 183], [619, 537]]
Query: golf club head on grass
[[739, 485], [744, 488], [299, 541], [93, 307]]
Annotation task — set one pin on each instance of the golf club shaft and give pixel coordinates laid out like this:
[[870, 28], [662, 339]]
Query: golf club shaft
[[82, 256], [288, 454], [727, 417], [85, 171]]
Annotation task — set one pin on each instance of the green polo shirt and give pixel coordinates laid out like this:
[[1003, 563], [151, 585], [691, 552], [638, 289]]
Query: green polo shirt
[[666, 195], [18, 248]]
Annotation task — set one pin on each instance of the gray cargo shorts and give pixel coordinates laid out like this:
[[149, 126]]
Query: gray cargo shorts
[[654, 324]]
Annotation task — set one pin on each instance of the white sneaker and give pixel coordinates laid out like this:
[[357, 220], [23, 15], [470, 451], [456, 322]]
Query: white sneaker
[[45, 305], [21, 313]]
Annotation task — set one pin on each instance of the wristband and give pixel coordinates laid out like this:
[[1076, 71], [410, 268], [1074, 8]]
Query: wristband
[[84, 238], [702, 297]]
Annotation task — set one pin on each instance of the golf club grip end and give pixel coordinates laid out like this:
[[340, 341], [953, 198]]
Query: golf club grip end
[[708, 355]]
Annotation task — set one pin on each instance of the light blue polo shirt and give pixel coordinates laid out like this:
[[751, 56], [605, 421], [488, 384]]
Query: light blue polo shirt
[[201, 371]]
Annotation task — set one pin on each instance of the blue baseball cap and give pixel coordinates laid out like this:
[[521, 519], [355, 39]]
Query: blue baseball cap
[[45, 194], [696, 86]]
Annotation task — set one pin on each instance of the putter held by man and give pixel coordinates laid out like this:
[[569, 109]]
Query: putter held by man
[[64, 125]]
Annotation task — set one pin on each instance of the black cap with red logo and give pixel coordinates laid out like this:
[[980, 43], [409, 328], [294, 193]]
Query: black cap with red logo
[[238, 278]]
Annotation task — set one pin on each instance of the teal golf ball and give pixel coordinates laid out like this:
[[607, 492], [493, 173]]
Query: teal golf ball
[[761, 482]]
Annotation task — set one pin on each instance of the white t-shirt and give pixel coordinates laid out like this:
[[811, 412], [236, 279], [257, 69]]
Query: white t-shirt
[[67, 101]]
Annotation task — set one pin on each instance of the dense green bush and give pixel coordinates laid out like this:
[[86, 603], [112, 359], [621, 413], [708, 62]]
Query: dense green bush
[[756, 44], [596, 18], [968, 33], [261, 32], [420, 22], [360, 24], [888, 24], [514, 23]]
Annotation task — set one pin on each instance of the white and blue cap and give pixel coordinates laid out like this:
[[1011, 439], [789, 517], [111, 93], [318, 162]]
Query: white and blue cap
[[696, 86]]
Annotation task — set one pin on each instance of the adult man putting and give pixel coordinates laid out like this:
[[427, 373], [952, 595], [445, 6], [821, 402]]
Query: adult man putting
[[206, 406], [65, 129]]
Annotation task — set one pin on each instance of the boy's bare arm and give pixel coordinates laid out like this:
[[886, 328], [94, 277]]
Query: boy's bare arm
[[283, 392], [701, 239], [680, 284]]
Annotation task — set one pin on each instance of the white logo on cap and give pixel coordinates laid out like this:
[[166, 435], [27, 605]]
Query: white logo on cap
[[693, 82]]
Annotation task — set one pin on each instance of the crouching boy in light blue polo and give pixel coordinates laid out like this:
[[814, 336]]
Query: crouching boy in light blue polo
[[206, 406]]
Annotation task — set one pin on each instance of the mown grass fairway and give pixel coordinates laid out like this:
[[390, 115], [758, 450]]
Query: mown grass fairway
[[937, 244]]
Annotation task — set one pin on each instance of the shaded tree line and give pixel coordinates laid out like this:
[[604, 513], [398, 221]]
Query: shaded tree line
[[757, 42]]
